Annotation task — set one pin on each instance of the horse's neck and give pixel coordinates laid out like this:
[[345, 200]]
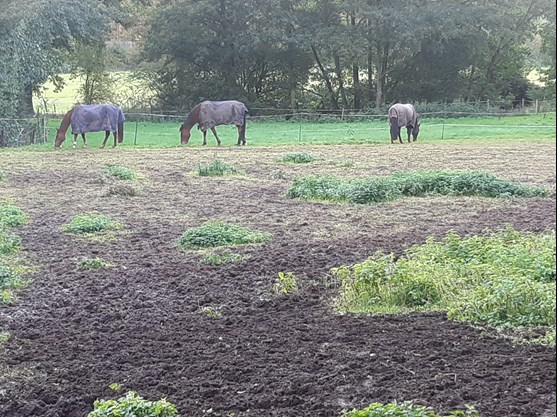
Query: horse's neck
[[192, 118], [66, 121]]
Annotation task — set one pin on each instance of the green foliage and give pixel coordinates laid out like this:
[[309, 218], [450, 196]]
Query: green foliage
[[505, 278], [297, 158], [405, 409], [10, 279], [119, 172], [211, 312], [4, 337], [217, 168], [11, 216], [286, 283], [132, 405], [220, 233], [95, 263], [416, 184], [224, 257], [9, 242], [91, 224], [2, 176]]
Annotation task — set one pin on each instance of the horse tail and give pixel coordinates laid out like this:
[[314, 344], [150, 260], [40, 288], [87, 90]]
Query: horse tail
[[246, 111]]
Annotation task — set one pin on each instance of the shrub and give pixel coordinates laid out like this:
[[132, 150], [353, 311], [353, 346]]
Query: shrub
[[119, 172], [217, 168], [297, 158], [91, 223], [132, 405], [286, 283], [405, 409], [220, 233], [96, 263], [415, 184], [11, 216]]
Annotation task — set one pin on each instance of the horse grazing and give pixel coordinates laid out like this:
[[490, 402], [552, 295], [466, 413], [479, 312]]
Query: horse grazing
[[209, 114], [403, 115], [92, 118]]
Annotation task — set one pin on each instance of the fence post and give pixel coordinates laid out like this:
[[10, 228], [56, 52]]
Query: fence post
[[135, 137], [537, 106], [300, 129], [443, 128]]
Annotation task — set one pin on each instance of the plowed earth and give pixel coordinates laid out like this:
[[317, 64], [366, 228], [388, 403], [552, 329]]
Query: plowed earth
[[141, 323]]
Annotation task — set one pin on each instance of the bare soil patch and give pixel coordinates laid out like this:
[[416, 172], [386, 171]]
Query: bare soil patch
[[75, 332]]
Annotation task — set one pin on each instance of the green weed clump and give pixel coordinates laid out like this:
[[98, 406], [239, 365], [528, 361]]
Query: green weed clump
[[9, 242], [286, 283], [11, 216], [406, 409], [91, 224], [133, 405], [119, 172], [222, 258], [10, 280], [95, 263], [297, 158], [217, 168], [219, 233], [4, 337], [414, 184], [502, 279]]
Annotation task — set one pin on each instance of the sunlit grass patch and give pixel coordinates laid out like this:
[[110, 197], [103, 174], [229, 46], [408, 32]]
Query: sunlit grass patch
[[214, 258], [119, 172], [220, 233], [12, 274], [4, 337], [502, 279], [9, 242], [286, 283], [93, 225], [217, 168], [413, 184]]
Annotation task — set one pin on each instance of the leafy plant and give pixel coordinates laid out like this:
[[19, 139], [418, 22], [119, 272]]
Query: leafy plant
[[286, 283], [132, 405], [119, 172], [297, 158], [405, 409], [96, 263], [217, 168], [4, 337], [225, 257], [10, 279], [502, 279], [415, 184], [11, 216], [220, 233], [211, 312], [9, 242], [91, 223]]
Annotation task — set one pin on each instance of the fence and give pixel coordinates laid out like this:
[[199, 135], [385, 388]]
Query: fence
[[26, 131]]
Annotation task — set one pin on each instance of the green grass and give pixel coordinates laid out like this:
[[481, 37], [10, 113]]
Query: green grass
[[12, 274], [370, 130], [9, 242], [502, 279], [297, 158], [119, 172], [11, 216], [219, 233], [217, 168], [95, 263], [4, 337], [91, 224], [221, 258], [413, 184]]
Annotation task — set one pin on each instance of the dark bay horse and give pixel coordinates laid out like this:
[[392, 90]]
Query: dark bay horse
[[403, 115], [92, 118], [209, 114]]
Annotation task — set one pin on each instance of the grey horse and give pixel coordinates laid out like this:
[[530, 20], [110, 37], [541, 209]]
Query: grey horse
[[403, 115]]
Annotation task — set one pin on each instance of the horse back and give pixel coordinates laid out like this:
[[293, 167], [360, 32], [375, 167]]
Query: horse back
[[96, 118], [404, 113], [214, 113]]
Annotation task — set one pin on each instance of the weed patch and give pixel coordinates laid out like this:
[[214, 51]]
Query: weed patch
[[503, 279], [92, 224], [11, 278], [119, 172], [126, 190], [222, 258], [286, 283], [406, 409], [95, 263], [415, 184], [217, 168], [9, 242], [133, 404], [220, 233], [297, 158], [211, 312], [4, 337], [11, 216]]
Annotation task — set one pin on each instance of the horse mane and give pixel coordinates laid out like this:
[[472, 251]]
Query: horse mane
[[192, 117]]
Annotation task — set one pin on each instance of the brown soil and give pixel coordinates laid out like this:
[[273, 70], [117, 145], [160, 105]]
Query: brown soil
[[140, 324]]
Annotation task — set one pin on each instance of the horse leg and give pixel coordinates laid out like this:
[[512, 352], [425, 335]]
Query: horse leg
[[216, 136], [106, 135], [115, 140], [74, 141], [241, 135], [204, 137], [84, 140], [408, 131], [399, 138]]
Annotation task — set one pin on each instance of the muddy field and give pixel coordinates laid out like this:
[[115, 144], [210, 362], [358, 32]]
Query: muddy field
[[140, 324]]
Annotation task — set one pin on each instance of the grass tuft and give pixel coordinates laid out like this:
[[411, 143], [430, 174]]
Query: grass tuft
[[222, 258], [119, 172], [11, 216], [297, 158], [91, 224], [95, 263], [219, 233], [217, 168]]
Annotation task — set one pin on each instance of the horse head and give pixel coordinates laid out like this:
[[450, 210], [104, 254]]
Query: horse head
[[393, 122], [60, 137], [415, 131], [185, 134]]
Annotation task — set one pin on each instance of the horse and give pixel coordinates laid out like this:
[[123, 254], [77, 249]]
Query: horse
[[403, 115], [92, 118], [209, 114]]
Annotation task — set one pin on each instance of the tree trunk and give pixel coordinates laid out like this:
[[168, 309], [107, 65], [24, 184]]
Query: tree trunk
[[341, 89], [333, 96], [26, 102]]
